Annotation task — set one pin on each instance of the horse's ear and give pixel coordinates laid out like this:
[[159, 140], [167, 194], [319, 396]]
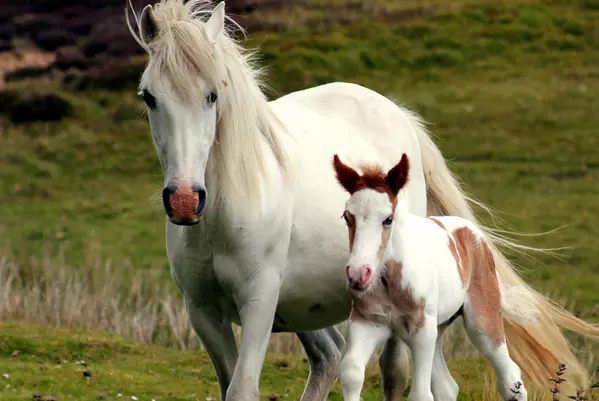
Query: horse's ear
[[216, 23], [147, 25], [346, 176], [397, 177]]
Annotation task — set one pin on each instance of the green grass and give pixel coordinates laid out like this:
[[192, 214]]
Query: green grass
[[509, 90], [41, 360]]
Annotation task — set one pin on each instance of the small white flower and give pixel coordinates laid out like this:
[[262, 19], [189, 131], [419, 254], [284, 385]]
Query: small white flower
[[5, 375], [134, 398], [119, 395]]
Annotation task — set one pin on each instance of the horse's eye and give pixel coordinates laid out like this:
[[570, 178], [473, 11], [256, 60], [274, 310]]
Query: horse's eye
[[211, 98], [388, 221], [148, 98]]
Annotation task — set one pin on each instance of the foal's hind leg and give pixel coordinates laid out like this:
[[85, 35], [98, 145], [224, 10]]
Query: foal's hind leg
[[324, 349], [395, 367], [485, 330]]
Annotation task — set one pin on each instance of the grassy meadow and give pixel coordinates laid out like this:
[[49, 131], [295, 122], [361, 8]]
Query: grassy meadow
[[509, 89]]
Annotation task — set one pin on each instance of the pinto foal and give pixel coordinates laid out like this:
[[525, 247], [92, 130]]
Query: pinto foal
[[410, 277]]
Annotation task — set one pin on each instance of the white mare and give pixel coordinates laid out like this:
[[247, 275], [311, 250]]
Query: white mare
[[410, 277], [254, 234]]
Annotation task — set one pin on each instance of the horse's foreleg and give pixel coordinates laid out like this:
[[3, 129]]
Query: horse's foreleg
[[362, 341], [216, 334], [395, 367], [324, 349], [257, 306]]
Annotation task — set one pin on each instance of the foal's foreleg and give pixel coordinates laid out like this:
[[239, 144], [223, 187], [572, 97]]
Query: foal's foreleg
[[444, 386], [422, 344], [324, 349], [362, 341], [216, 335], [395, 367]]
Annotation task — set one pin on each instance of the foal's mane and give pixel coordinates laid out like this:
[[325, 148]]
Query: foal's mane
[[246, 121]]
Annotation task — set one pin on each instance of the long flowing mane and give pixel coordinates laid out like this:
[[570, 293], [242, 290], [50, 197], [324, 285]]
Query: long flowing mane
[[246, 121]]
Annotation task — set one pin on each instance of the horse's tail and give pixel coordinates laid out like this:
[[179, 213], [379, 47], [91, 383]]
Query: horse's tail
[[538, 348]]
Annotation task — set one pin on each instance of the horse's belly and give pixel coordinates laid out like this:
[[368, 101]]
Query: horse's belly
[[314, 289]]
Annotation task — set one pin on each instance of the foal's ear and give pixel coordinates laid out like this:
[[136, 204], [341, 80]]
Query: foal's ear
[[216, 23], [147, 25], [397, 177], [346, 175]]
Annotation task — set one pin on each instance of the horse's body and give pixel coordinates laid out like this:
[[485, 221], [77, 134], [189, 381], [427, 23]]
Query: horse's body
[[410, 277], [255, 175]]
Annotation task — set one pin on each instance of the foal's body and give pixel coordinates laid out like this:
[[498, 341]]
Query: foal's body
[[410, 279]]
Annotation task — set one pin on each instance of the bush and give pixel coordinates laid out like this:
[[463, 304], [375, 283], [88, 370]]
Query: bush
[[53, 39], [23, 107]]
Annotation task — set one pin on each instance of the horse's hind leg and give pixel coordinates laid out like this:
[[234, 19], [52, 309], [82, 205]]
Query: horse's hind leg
[[485, 329], [216, 335], [324, 349], [395, 368]]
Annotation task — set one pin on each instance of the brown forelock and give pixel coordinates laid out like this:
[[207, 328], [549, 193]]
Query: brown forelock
[[373, 177]]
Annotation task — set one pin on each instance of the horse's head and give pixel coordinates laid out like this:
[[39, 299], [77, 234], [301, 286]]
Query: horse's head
[[180, 87], [369, 214]]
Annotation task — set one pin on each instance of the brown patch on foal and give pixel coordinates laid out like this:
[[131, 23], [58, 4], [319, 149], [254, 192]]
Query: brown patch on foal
[[403, 299], [463, 267], [483, 291], [351, 228]]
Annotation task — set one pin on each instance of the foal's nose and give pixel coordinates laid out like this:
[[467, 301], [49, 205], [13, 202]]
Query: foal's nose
[[184, 204], [359, 276]]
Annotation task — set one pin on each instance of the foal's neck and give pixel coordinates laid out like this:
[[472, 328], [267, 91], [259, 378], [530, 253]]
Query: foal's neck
[[402, 228]]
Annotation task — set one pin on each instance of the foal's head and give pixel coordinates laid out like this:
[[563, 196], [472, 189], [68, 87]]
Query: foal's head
[[369, 214]]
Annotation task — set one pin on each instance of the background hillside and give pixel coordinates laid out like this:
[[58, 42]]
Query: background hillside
[[509, 88]]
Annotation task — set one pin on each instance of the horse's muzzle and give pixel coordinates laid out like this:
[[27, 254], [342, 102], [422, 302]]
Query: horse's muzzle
[[184, 204]]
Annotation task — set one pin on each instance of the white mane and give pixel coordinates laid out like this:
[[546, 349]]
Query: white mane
[[245, 120]]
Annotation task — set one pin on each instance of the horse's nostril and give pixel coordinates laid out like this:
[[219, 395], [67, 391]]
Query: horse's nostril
[[166, 198], [202, 196]]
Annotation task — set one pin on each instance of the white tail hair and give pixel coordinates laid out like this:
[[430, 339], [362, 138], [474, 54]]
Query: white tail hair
[[532, 321]]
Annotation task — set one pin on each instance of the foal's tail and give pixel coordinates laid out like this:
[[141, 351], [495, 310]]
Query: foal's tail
[[532, 321]]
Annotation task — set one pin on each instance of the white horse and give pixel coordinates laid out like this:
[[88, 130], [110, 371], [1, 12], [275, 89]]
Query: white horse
[[410, 277], [256, 175]]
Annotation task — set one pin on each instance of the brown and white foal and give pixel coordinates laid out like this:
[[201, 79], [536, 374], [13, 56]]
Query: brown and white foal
[[410, 277]]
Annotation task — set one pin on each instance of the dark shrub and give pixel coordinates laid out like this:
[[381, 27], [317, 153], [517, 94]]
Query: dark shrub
[[25, 107], [52, 39], [68, 58], [25, 72], [5, 45]]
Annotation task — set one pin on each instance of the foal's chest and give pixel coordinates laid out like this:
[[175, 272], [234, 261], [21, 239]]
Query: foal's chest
[[389, 306]]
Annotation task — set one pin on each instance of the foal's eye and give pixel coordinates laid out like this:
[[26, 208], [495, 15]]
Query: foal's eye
[[148, 98], [211, 98], [388, 221]]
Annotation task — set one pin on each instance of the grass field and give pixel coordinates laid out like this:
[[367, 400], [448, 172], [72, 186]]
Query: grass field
[[47, 361], [510, 90]]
